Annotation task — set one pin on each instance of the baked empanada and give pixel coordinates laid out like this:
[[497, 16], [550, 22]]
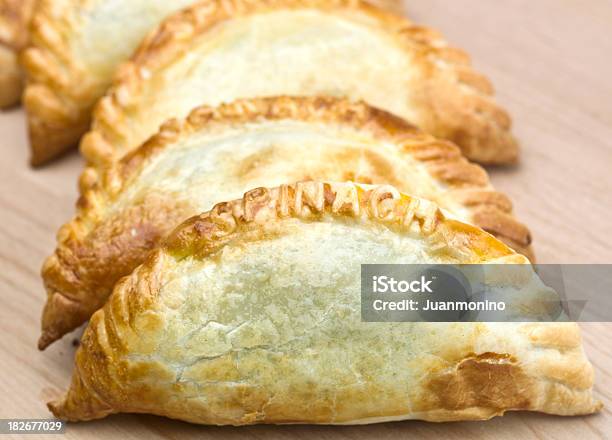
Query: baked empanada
[[14, 22], [217, 154], [76, 47], [250, 313], [219, 51], [214, 53]]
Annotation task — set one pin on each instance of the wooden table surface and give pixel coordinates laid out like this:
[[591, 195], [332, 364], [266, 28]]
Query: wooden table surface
[[551, 62]]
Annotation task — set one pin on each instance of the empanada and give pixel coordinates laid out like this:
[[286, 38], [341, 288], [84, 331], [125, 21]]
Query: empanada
[[217, 154], [76, 47], [218, 51], [14, 22], [250, 313]]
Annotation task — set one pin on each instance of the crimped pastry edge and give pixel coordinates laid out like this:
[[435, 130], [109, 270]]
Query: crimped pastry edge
[[555, 388], [468, 182], [56, 96], [395, 6], [59, 105]]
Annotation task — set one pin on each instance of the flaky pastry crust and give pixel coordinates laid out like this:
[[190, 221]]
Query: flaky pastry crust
[[440, 91], [242, 317], [14, 23], [69, 64], [122, 215], [450, 99]]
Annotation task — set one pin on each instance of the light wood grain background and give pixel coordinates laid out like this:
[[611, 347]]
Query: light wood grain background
[[551, 62]]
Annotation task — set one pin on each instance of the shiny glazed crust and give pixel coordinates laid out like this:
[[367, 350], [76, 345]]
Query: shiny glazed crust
[[103, 243], [158, 346], [456, 102], [14, 21]]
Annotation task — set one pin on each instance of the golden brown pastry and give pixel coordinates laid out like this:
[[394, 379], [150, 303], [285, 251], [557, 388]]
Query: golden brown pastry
[[76, 47], [14, 23], [217, 154], [250, 313], [261, 48], [391, 5]]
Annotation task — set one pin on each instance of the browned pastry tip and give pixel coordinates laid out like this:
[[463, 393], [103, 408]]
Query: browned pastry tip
[[53, 129], [10, 78]]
